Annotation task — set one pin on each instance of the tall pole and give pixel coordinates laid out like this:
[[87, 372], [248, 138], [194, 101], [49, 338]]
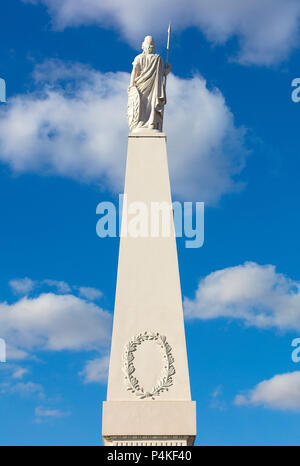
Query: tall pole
[[168, 50], [168, 43]]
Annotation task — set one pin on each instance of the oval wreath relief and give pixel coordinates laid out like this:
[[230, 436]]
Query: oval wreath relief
[[132, 382]]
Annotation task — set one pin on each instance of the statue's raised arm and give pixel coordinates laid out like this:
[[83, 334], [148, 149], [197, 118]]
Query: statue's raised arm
[[147, 90]]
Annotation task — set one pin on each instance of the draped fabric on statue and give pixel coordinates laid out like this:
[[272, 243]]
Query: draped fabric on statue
[[150, 83]]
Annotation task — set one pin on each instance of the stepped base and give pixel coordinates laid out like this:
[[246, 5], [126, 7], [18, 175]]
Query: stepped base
[[148, 423], [151, 441]]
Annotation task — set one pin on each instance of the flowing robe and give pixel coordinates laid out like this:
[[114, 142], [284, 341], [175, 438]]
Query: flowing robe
[[150, 83]]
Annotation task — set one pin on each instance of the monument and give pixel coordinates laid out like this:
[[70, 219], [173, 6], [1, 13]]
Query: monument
[[148, 394]]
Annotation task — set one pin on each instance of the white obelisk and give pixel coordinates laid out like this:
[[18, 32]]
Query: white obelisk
[[148, 396]]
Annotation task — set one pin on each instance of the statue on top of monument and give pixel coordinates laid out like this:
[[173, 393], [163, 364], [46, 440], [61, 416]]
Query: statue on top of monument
[[147, 89]]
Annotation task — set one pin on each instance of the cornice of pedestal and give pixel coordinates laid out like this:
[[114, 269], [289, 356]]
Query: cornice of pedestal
[[146, 133]]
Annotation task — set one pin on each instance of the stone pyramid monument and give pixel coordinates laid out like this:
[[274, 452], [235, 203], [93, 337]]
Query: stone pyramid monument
[[148, 396]]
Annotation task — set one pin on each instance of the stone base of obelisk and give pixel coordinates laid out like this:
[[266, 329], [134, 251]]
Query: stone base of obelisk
[[149, 423], [148, 395]]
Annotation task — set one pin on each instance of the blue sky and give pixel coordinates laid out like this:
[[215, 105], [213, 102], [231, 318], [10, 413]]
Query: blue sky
[[62, 151]]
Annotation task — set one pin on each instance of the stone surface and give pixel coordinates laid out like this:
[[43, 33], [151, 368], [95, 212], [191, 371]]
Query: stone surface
[[148, 330], [173, 421]]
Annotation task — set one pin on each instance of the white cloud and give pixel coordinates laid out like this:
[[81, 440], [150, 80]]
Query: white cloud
[[96, 370], [75, 126], [22, 286], [19, 372], [72, 127], [54, 322], [28, 389], [216, 399], [13, 372], [280, 392], [61, 286], [256, 294], [41, 412], [89, 293], [14, 354], [205, 148], [266, 30]]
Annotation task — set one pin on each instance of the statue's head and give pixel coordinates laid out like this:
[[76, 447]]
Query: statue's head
[[148, 45]]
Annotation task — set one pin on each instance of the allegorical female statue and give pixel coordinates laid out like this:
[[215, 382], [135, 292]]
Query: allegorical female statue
[[147, 90]]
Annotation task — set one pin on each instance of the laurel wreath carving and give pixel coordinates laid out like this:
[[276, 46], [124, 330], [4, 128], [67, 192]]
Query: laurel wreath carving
[[132, 382]]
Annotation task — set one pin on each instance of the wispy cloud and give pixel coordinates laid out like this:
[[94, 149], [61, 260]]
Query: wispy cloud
[[27, 389], [43, 414], [90, 293], [216, 399], [19, 372], [61, 286], [22, 286], [13, 372]]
